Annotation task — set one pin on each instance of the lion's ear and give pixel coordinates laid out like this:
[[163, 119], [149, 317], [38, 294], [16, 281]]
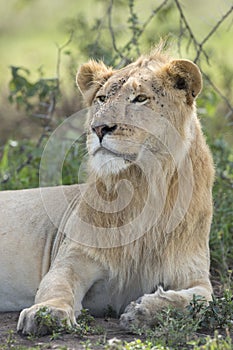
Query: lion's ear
[[186, 76], [90, 78]]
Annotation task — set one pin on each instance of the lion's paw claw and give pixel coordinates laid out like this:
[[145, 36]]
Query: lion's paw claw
[[135, 316]]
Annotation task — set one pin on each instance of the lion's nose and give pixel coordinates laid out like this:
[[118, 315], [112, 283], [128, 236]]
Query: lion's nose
[[102, 130]]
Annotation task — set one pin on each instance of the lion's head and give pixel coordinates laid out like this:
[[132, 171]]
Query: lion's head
[[144, 109]]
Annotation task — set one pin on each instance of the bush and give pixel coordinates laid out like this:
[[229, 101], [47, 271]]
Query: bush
[[221, 239]]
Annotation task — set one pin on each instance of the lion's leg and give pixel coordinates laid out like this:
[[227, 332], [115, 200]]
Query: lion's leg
[[142, 313], [61, 291]]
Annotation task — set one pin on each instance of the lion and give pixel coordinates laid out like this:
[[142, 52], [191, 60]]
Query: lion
[[133, 237]]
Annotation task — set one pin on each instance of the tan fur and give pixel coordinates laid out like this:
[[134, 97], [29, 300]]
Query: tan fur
[[140, 226]]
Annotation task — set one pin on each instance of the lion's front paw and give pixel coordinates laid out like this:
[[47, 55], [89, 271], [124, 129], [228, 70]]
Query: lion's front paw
[[44, 319], [136, 315]]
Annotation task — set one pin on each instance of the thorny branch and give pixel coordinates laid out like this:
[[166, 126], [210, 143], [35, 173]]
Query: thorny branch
[[111, 30], [224, 98], [184, 25], [59, 52], [199, 46], [213, 30], [123, 53]]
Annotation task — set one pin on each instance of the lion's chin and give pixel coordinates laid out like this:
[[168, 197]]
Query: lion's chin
[[106, 163]]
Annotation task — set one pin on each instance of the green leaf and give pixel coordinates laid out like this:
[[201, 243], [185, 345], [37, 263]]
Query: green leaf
[[4, 161]]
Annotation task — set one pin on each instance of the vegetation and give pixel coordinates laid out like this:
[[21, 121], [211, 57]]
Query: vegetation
[[201, 326], [46, 321]]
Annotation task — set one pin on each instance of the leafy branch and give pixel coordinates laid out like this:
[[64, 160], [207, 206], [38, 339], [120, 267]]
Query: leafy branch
[[137, 31], [39, 99]]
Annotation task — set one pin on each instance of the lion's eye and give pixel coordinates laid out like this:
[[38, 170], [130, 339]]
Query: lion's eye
[[140, 99], [101, 98]]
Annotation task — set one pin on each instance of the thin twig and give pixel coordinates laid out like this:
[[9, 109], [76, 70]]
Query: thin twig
[[213, 30], [140, 32], [154, 12], [112, 31], [59, 51], [133, 26], [224, 98], [184, 20], [199, 47], [191, 35]]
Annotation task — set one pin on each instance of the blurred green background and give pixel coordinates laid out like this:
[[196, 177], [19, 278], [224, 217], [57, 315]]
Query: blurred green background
[[31, 30]]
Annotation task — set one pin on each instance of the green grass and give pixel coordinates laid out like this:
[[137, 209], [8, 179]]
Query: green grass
[[215, 343]]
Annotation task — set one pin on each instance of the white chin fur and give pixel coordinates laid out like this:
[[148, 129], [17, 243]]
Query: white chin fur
[[107, 164]]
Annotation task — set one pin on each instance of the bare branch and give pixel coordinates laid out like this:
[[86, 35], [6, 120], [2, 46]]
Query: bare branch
[[213, 30], [199, 46], [112, 31], [59, 51], [154, 12], [224, 98], [184, 20], [192, 37]]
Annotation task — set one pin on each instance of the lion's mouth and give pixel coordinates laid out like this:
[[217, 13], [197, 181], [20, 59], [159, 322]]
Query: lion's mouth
[[106, 150]]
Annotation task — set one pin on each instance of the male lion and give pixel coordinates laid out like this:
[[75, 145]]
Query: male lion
[[135, 237]]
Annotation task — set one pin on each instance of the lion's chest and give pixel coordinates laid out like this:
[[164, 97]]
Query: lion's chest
[[104, 296]]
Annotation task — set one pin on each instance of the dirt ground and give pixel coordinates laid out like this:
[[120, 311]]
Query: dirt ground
[[10, 339]]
